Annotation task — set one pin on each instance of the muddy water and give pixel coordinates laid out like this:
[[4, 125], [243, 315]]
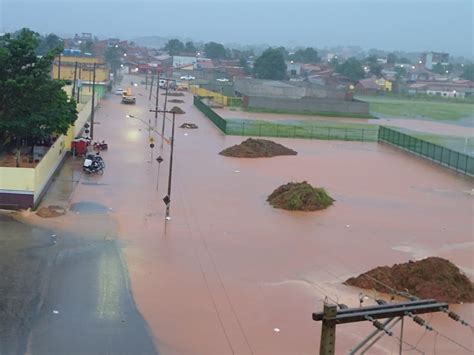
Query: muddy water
[[418, 125], [231, 269]]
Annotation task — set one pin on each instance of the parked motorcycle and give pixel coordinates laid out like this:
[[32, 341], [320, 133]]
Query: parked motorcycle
[[94, 164], [100, 146]]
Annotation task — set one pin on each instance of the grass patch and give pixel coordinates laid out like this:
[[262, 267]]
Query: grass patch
[[435, 110], [309, 113], [300, 196], [303, 129]]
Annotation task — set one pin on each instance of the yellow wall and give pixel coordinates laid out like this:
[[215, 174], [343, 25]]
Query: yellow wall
[[17, 179], [102, 73], [84, 60], [221, 99], [385, 85], [33, 180]]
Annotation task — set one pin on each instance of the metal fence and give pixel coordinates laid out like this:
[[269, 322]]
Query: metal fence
[[214, 117], [252, 128], [455, 160]]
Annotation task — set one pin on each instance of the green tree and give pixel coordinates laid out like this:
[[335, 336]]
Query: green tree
[[392, 58], [190, 47], [284, 52], [352, 69], [243, 63], [400, 73], [307, 55], [468, 72], [113, 57], [49, 43], [374, 67], [32, 104], [87, 47], [174, 47], [270, 65], [215, 50]]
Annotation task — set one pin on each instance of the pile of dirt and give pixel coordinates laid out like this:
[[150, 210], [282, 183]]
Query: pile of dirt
[[177, 110], [51, 211], [176, 101], [174, 94], [300, 196], [189, 125], [432, 277], [257, 148]]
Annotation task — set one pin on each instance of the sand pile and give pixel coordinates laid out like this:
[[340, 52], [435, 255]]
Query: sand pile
[[176, 101], [432, 277], [300, 196], [174, 94], [257, 148], [177, 110], [51, 211]]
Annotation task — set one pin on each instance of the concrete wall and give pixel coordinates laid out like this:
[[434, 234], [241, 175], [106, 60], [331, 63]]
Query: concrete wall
[[24, 187], [309, 104]]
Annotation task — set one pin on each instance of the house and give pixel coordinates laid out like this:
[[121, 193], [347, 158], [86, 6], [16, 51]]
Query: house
[[293, 69], [430, 59], [180, 61], [455, 88], [371, 86], [85, 68]]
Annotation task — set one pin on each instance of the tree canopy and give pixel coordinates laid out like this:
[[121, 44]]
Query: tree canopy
[[190, 47], [307, 55], [215, 50], [174, 46], [374, 67], [49, 43], [270, 65], [32, 104], [113, 56], [468, 72], [352, 69]]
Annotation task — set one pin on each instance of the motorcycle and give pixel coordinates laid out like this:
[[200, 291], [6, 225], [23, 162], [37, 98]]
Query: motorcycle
[[94, 164], [100, 146]]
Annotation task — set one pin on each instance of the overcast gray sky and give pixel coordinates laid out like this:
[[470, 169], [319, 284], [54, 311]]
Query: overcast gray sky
[[411, 25]]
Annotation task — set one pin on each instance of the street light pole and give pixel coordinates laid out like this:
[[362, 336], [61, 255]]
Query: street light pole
[[171, 169]]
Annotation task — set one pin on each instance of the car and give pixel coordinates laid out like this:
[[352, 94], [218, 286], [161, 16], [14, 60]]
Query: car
[[118, 91], [223, 80], [187, 77]]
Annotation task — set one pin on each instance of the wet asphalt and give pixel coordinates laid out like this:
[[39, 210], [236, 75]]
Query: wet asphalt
[[73, 291]]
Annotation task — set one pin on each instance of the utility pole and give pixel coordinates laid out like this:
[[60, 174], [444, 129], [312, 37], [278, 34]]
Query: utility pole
[[331, 317], [93, 103], [328, 330], [151, 87], [79, 88], [164, 107], [167, 198], [74, 82], [59, 67], [157, 96]]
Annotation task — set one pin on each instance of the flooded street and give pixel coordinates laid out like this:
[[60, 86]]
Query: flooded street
[[232, 275]]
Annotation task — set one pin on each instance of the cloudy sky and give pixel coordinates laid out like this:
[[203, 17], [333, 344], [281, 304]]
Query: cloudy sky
[[410, 25]]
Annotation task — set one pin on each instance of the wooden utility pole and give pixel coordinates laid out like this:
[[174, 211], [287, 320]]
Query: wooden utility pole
[[74, 82], [331, 317], [93, 103]]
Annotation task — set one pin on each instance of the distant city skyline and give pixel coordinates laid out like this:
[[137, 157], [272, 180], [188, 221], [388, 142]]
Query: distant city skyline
[[410, 26]]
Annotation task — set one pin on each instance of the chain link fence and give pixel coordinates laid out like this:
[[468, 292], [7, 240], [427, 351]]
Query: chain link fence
[[455, 160]]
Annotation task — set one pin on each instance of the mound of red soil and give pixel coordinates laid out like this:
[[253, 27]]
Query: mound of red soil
[[177, 110], [300, 196], [176, 101], [432, 277], [174, 94], [51, 211], [257, 148]]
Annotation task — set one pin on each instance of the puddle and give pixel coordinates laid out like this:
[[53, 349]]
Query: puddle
[[89, 207]]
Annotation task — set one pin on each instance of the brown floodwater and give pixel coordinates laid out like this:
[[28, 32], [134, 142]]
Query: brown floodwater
[[234, 275]]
